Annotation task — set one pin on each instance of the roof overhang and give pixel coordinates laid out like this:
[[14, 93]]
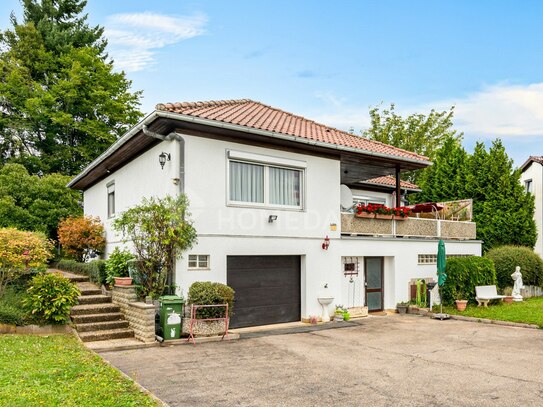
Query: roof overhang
[[361, 164]]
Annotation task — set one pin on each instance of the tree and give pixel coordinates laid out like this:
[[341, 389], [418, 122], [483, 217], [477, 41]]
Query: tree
[[502, 209], [446, 179], [20, 252], [419, 133], [61, 103], [81, 237], [28, 202], [160, 230]]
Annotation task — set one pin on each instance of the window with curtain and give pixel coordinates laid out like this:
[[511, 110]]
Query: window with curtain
[[265, 184]]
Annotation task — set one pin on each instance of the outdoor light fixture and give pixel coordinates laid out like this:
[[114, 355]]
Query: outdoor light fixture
[[326, 243], [272, 218], [163, 157]]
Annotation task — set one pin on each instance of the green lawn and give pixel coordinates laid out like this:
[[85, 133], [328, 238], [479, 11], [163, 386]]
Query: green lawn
[[59, 371], [530, 311]]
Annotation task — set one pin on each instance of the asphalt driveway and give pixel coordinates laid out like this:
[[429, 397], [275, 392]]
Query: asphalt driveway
[[380, 361]]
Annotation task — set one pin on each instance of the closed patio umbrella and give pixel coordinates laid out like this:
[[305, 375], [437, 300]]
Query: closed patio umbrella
[[441, 276]]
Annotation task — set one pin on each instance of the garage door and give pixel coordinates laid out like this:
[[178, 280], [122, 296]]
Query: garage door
[[267, 289]]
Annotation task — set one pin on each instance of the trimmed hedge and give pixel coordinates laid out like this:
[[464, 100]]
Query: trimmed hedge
[[95, 270], [463, 274], [506, 258], [208, 293]]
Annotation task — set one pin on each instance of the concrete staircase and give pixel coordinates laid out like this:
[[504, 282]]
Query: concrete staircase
[[96, 318]]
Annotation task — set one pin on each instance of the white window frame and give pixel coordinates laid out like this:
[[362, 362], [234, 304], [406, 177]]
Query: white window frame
[[267, 162], [198, 258], [110, 190]]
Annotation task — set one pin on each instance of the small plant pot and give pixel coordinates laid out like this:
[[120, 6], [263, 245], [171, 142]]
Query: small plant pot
[[338, 317], [402, 309], [461, 305], [508, 299], [123, 280]]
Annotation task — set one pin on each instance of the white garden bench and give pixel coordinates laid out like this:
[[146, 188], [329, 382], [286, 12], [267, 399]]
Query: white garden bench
[[485, 293]]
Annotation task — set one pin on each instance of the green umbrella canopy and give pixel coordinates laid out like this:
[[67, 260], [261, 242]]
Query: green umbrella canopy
[[441, 262]]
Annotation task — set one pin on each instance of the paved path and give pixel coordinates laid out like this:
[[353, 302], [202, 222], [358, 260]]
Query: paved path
[[383, 361]]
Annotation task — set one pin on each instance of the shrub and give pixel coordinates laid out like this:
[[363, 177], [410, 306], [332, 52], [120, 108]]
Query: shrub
[[463, 274], [117, 264], [80, 237], [51, 296], [160, 230], [21, 253], [506, 258], [208, 293], [95, 270], [11, 308]]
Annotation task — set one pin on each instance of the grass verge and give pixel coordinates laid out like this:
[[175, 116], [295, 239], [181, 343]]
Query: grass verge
[[529, 311], [59, 370]]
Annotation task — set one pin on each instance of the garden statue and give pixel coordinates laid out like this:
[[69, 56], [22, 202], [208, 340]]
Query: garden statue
[[517, 278]]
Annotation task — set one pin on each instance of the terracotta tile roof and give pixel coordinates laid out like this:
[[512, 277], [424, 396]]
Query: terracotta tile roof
[[531, 159], [248, 113], [391, 182]]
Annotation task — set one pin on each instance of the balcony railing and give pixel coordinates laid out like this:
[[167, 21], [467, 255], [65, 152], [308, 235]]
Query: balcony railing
[[410, 227]]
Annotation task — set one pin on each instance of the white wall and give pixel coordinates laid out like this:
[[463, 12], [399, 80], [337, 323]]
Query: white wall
[[140, 178], [535, 173]]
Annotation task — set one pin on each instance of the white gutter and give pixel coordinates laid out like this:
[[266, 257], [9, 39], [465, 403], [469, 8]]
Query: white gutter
[[212, 123]]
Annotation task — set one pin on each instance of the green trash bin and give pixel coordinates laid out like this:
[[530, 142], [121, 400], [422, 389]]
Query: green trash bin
[[171, 312]]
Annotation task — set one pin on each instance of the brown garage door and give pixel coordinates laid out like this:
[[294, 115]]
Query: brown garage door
[[267, 289]]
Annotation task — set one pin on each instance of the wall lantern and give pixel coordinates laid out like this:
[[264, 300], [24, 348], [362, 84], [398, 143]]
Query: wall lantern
[[272, 218], [163, 157], [326, 243]]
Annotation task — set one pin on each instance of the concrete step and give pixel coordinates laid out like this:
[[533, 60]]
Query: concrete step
[[94, 299], [105, 335], [90, 291], [101, 326], [85, 319], [87, 309]]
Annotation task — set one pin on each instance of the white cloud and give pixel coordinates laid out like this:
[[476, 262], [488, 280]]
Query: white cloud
[[134, 37], [501, 110]]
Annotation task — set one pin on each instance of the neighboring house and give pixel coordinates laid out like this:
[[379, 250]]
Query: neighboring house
[[532, 179], [266, 188]]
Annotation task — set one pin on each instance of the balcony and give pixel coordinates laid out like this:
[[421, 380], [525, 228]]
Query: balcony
[[410, 227]]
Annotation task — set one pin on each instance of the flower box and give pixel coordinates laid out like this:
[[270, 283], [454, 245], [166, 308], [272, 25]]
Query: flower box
[[396, 217], [365, 215], [381, 216]]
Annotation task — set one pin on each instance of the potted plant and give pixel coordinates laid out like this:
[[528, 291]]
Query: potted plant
[[402, 307], [461, 304], [401, 212], [507, 291], [117, 267], [339, 314], [383, 212], [364, 211]]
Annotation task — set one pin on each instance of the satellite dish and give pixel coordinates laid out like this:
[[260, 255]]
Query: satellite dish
[[346, 197]]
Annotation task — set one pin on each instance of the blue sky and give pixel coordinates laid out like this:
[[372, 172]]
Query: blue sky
[[331, 60]]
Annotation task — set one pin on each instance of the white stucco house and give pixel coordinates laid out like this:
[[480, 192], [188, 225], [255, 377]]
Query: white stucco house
[[532, 179], [266, 189]]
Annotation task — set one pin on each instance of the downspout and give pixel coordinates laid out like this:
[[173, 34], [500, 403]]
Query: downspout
[[179, 181]]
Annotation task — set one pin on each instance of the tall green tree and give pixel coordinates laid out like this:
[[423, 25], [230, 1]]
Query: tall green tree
[[28, 202], [61, 103], [502, 209], [446, 179], [422, 134]]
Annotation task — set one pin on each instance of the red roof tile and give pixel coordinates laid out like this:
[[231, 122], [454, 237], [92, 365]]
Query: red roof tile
[[391, 182], [248, 113]]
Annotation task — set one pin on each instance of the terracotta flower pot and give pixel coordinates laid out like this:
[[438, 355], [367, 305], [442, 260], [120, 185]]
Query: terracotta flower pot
[[380, 216], [123, 280], [365, 215], [508, 299], [461, 305]]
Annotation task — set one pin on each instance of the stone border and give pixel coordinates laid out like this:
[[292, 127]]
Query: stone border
[[35, 329], [425, 313]]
